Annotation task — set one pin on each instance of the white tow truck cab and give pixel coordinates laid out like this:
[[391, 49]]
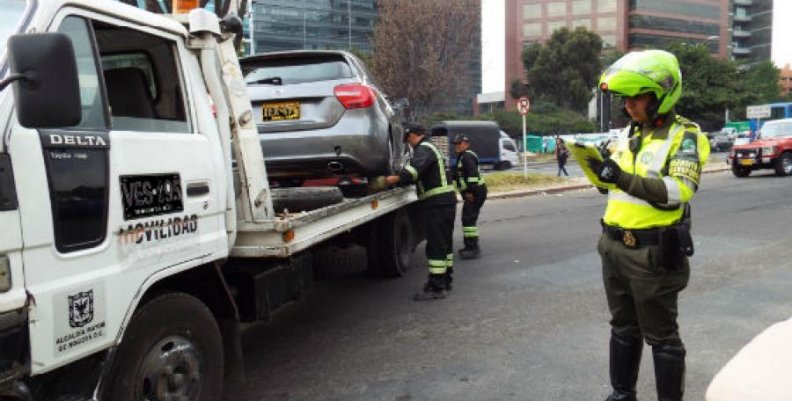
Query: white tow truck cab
[[136, 226]]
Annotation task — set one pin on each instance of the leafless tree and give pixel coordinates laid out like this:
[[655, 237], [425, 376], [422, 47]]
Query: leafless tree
[[422, 49]]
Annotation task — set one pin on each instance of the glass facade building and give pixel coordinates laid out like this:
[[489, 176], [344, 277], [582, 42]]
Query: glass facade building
[[312, 24]]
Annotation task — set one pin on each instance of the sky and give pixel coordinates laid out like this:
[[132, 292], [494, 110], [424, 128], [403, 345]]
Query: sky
[[493, 46], [782, 32]]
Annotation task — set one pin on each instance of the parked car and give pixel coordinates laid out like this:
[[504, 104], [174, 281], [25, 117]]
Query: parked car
[[320, 114], [721, 141], [773, 150]]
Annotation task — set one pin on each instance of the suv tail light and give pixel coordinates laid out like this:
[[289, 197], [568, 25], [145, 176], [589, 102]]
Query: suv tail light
[[355, 96]]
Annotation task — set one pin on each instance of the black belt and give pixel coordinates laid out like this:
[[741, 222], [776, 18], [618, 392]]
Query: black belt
[[633, 238]]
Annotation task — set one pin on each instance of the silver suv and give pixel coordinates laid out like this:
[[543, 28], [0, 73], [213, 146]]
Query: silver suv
[[319, 114]]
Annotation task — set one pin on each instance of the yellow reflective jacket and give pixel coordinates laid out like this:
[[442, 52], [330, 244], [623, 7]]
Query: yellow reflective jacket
[[674, 153]]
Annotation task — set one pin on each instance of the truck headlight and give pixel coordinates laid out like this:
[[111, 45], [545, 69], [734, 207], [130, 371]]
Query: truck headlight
[[768, 150], [5, 274]]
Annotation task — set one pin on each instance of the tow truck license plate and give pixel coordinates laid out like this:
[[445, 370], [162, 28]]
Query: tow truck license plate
[[746, 162], [279, 111]]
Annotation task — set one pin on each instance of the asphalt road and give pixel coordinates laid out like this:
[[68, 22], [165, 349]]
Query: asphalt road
[[527, 321]]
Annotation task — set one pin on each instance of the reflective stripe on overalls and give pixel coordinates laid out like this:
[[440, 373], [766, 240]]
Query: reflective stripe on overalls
[[444, 186], [462, 185], [627, 211]]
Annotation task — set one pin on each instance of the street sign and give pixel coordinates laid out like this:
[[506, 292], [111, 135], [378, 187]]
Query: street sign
[[523, 105], [761, 111]]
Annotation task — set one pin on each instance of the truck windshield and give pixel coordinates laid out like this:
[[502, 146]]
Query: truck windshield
[[11, 12], [777, 130]]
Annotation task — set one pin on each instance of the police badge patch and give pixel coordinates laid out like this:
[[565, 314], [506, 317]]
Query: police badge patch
[[688, 146], [81, 309]]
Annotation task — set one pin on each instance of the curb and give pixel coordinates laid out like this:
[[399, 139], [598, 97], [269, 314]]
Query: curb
[[562, 189]]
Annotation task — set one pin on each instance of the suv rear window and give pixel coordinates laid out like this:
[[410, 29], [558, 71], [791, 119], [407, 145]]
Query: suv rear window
[[296, 70]]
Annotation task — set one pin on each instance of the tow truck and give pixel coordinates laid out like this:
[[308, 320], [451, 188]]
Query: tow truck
[[138, 229]]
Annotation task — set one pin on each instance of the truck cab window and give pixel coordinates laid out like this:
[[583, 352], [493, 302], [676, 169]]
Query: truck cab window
[[142, 79], [93, 115]]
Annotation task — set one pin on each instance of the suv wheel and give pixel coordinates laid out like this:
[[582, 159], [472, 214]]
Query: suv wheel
[[783, 165], [740, 171]]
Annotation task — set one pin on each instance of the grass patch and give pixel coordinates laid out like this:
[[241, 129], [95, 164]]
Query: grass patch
[[513, 181]]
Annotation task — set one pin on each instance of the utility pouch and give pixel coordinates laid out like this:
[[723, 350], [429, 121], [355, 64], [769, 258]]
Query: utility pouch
[[670, 249]]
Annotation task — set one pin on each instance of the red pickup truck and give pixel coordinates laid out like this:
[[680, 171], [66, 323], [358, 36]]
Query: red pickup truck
[[773, 150]]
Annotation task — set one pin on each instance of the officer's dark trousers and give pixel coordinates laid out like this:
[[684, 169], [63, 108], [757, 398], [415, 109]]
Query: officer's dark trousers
[[470, 214], [642, 294], [439, 235]]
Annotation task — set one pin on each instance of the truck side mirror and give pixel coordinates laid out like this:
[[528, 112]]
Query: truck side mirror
[[43, 70]]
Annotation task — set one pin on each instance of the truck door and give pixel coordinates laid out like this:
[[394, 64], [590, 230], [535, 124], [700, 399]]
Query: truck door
[[12, 284], [133, 191]]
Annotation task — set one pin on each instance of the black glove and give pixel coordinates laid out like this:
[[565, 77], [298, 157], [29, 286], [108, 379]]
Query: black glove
[[607, 171]]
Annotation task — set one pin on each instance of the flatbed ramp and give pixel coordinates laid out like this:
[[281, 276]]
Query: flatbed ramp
[[288, 234]]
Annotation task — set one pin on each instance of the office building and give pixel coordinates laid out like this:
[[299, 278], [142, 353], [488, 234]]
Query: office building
[[622, 24], [752, 30]]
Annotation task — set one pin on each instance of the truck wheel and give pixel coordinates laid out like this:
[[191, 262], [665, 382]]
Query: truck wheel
[[740, 172], [783, 165], [172, 350], [504, 165], [396, 244]]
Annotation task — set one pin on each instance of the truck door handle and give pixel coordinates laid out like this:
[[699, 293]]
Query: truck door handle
[[197, 189]]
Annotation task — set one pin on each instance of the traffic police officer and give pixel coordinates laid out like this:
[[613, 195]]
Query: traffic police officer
[[652, 174], [470, 184], [437, 197]]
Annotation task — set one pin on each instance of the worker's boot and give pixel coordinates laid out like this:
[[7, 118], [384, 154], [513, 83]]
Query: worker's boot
[[669, 364], [471, 249], [625, 359], [435, 288], [449, 279]]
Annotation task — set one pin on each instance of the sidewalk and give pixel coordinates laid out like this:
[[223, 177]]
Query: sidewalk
[[575, 184]]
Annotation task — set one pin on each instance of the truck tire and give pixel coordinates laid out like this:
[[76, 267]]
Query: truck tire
[[740, 172], [171, 350], [305, 199], [783, 166], [396, 244], [504, 165]]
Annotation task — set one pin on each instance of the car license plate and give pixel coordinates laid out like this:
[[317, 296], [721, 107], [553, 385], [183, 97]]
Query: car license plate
[[279, 111], [746, 162]]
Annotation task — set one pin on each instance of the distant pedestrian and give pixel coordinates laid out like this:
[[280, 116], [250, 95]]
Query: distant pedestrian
[[544, 145], [562, 154]]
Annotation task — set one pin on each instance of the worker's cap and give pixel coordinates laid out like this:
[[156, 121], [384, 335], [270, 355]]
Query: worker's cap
[[413, 128], [459, 138]]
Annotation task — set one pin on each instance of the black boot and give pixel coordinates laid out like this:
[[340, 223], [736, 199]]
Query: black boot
[[435, 288], [449, 279], [625, 359], [471, 250], [669, 363]]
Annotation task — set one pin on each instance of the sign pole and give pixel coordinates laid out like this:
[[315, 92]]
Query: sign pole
[[525, 149], [523, 105]]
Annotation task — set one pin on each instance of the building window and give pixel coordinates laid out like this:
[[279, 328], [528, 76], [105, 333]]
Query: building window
[[532, 30], [532, 11], [605, 6], [606, 23], [580, 7], [552, 26], [584, 22], [557, 9], [685, 7], [673, 25]]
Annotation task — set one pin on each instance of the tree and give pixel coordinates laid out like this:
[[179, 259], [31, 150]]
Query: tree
[[564, 69], [422, 49]]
